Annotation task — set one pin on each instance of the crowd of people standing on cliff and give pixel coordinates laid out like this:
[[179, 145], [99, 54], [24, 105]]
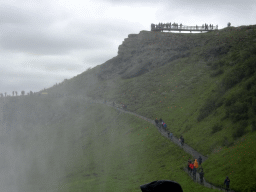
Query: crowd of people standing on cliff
[[179, 26]]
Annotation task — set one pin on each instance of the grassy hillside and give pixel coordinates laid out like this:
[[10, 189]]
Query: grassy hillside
[[208, 96], [94, 148]]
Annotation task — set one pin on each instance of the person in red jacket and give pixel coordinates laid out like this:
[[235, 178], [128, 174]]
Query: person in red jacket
[[189, 162], [191, 167]]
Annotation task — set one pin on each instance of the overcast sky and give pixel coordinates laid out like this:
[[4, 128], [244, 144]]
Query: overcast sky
[[43, 42]]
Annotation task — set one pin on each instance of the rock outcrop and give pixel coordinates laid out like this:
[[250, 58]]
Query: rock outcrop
[[141, 53]]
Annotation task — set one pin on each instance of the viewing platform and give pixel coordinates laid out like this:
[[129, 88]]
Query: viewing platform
[[175, 27]]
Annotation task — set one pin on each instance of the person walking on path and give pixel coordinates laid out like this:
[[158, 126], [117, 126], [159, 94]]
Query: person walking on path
[[194, 172], [196, 164], [200, 160], [156, 121], [226, 182], [199, 168], [201, 174], [191, 167], [189, 162], [181, 140], [170, 135], [164, 126], [195, 168]]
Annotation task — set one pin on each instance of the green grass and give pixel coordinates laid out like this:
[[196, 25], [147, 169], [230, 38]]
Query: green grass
[[94, 148], [131, 153], [208, 97], [236, 162]]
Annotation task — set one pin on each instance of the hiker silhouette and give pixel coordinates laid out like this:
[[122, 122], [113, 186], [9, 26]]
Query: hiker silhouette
[[181, 140], [156, 121], [191, 168], [200, 160], [226, 182], [189, 162], [201, 174]]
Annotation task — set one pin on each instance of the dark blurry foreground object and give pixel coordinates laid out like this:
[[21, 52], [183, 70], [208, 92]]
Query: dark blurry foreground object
[[161, 186]]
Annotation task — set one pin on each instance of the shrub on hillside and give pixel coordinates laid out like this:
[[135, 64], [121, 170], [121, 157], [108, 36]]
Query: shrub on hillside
[[226, 142], [188, 127], [237, 112], [240, 129], [254, 105], [230, 101], [216, 64], [217, 127], [234, 77], [234, 55], [254, 126], [220, 102], [216, 73], [250, 66], [212, 103], [208, 107]]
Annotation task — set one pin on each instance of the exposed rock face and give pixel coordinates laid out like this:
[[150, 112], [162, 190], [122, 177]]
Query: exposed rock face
[[141, 53], [161, 186]]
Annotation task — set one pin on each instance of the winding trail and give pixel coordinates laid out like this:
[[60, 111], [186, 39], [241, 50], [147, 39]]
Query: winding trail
[[175, 140]]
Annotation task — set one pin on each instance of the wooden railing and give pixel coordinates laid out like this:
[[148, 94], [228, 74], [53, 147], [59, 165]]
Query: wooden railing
[[177, 27]]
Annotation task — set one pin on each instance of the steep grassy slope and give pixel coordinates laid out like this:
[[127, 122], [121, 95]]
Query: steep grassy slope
[[205, 92], [196, 94], [93, 148], [237, 162], [208, 95]]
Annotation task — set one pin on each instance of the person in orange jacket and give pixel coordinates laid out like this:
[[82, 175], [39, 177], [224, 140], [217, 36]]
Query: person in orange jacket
[[196, 164], [195, 168]]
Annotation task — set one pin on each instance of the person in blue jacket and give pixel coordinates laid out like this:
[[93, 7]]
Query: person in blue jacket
[[226, 182]]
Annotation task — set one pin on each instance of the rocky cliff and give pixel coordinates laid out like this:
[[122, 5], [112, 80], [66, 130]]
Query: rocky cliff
[[140, 53]]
